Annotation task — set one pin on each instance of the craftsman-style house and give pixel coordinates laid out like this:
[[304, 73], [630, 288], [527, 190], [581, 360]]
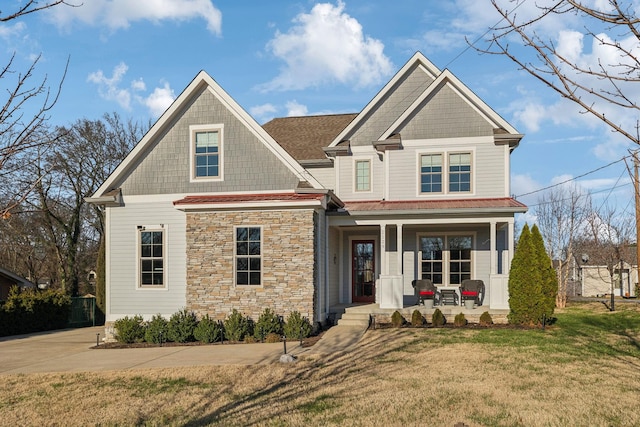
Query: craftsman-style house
[[212, 211]]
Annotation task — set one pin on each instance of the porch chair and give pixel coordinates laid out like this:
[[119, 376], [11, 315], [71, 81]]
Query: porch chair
[[472, 289], [424, 289]]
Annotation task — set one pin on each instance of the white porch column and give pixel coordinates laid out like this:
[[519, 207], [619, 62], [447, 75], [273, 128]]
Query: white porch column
[[399, 249], [384, 267], [510, 243], [492, 249]]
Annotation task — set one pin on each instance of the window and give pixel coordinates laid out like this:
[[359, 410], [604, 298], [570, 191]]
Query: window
[[206, 152], [446, 267], [459, 259], [151, 258], [431, 173], [248, 255], [460, 172], [431, 259], [363, 175]]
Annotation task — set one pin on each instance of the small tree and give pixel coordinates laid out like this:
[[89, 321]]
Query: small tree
[[268, 323], [548, 276]]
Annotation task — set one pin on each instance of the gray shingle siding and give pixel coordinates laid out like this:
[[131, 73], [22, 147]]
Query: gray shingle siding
[[248, 164]]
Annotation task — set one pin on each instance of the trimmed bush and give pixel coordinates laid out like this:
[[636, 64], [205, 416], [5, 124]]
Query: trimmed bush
[[548, 276], [459, 320], [208, 330], [156, 330], [32, 310], [129, 329], [181, 326], [416, 318], [485, 319], [297, 327], [397, 320], [236, 326], [268, 323], [437, 318], [272, 338]]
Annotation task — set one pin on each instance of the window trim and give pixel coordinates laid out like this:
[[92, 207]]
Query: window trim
[[471, 177], [355, 174], [193, 129], [446, 255], [445, 172], [235, 256], [151, 228]]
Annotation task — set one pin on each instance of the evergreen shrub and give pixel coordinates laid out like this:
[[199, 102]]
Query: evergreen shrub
[[208, 330], [485, 319], [297, 327], [268, 323], [416, 318], [181, 326], [459, 320], [397, 320], [129, 329], [437, 318], [236, 326], [156, 330]]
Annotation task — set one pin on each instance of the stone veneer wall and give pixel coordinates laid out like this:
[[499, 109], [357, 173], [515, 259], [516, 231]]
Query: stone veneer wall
[[288, 261]]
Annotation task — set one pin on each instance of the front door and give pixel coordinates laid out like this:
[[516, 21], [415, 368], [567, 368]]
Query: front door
[[363, 271]]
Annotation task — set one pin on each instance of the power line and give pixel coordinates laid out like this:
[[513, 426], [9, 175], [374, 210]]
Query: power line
[[572, 179]]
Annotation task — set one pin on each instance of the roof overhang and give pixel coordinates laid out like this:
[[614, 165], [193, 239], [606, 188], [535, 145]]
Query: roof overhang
[[111, 198], [459, 207], [300, 199]]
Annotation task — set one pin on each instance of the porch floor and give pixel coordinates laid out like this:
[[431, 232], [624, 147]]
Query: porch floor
[[449, 311]]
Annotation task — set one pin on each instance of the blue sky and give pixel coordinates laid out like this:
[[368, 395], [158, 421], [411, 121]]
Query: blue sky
[[304, 57]]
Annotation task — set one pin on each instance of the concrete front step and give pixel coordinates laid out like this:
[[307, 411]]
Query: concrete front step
[[354, 319]]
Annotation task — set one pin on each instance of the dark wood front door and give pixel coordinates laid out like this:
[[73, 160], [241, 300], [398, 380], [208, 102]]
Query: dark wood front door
[[363, 271]]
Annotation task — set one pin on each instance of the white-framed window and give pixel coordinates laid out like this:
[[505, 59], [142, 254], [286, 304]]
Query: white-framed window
[[431, 173], [459, 172], [248, 256], [445, 173], [446, 259], [206, 142], [362, 177], [151, 257]]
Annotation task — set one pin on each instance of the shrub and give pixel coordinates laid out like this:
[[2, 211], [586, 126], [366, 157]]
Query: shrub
[[485, 319], [459, 320], [272, 338], [437, 318], [208, 330], [416, 318], [156, 330], [396, 319], [297, 327], [32, 310], [129, 329], [268, 323], [250, 339], [236, 326], [181, 326]]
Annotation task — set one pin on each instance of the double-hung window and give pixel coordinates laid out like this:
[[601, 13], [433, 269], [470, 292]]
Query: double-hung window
[[459, 172], [248, 256], [446, 260], [431, 173], [206, 149], [363, 175], [151, 258]]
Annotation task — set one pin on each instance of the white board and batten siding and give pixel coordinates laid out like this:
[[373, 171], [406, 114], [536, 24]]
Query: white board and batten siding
[[125, 297]]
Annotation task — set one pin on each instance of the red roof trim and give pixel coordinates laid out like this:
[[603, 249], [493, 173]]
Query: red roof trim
[[506, 202], [242, 198]]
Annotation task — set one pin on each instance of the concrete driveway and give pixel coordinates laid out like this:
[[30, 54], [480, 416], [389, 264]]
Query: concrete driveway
[[70, 350]]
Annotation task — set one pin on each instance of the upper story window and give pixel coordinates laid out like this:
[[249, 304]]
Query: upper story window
[[363, 175], [248, 256], [431, 173], [459, 172], [151, 257], [206, 149]]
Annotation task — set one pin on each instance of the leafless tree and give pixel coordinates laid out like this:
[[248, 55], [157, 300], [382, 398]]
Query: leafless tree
[[614, 26], [25, 110], [560, 213]]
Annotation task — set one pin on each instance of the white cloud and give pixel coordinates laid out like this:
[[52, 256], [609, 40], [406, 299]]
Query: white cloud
[[325, 46], [111, 89], [117, 14], [263, 113], [295, 109], [160, 99], [108, 87], [10, 31]]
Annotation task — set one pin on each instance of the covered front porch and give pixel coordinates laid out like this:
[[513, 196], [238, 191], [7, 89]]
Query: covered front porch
[[375, 260]]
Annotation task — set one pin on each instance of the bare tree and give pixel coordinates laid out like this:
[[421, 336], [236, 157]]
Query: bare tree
[[611, 235], [560, 213], [613, 25], [22, 131]]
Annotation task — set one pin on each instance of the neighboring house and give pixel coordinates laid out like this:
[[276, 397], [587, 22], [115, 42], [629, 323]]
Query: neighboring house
[[211, 211], [596, 280], [9, 280]]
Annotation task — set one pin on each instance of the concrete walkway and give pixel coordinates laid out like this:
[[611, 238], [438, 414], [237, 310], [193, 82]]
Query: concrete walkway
[[70, 350]]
